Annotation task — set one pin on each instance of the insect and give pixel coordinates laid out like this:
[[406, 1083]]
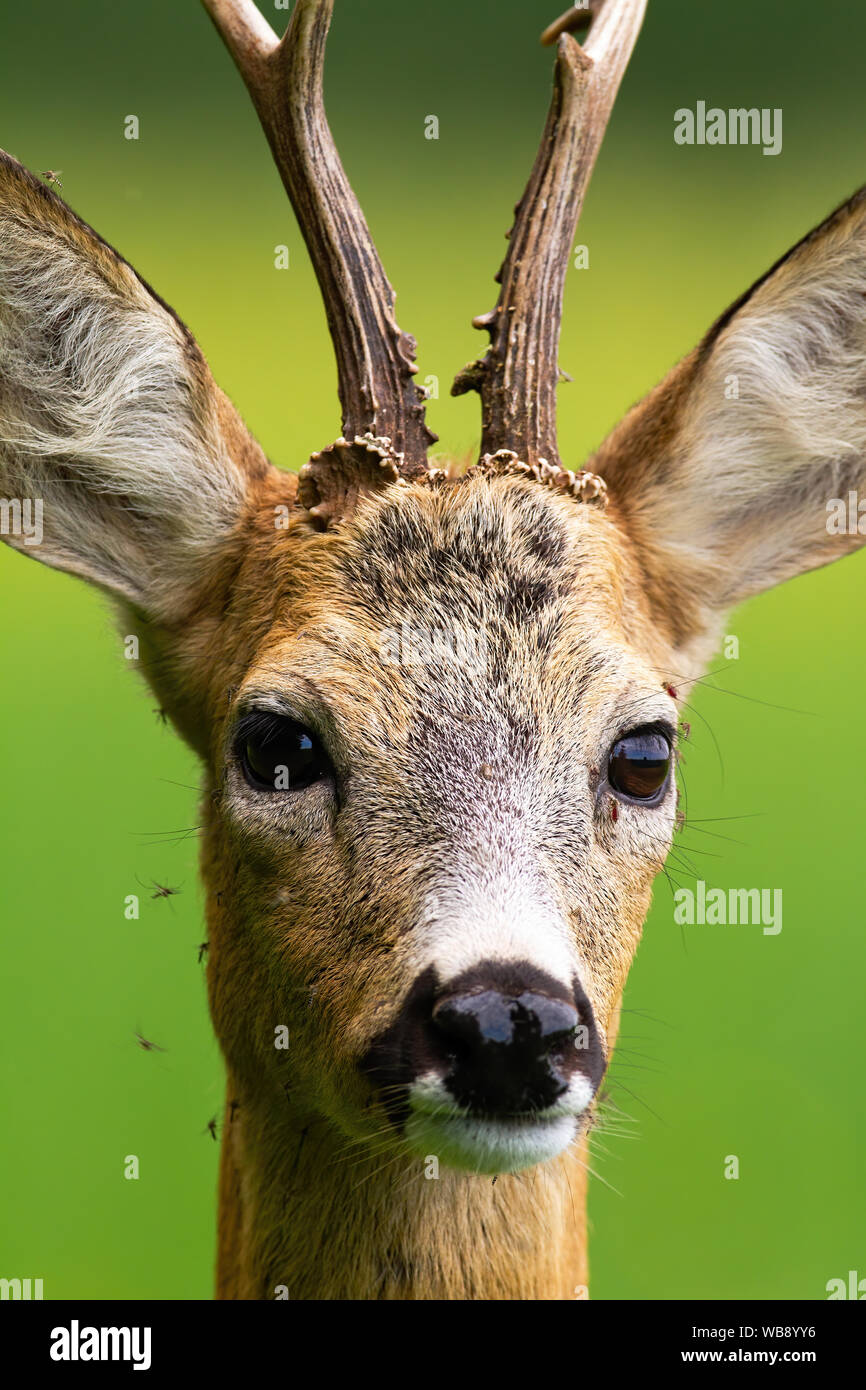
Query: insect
[[146, 1045], [162, 715], [52, 176], [161, 890], [211, 1128], [202, 950]]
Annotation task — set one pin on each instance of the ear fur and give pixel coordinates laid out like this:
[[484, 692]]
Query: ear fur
[[729, 475], [112, 432]]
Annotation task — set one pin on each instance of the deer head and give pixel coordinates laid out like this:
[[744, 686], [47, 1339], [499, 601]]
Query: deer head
[[437, 712]]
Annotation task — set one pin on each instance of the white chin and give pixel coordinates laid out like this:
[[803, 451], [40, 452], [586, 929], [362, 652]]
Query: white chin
[[489, 1146]]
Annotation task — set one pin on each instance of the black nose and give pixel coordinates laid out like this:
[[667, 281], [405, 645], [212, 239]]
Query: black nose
[[507, 1052]]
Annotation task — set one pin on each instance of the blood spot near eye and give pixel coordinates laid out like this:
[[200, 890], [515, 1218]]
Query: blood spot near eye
[[672, 691], [614, 810]]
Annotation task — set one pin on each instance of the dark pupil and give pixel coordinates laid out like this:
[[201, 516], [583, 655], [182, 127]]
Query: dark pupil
[[283, 756], [639, 764]]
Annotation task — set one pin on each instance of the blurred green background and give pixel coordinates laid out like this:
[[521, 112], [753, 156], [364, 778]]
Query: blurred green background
[[734, 1042]]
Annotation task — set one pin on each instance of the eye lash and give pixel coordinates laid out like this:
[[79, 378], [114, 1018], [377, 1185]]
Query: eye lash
[[253, 720], [656, 726], [255, 723]]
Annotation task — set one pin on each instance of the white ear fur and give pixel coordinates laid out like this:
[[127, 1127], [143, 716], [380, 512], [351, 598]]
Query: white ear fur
[[108, 416], [727, 473]]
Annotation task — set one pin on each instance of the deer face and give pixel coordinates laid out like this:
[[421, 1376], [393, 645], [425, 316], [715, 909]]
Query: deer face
[[446, 788]]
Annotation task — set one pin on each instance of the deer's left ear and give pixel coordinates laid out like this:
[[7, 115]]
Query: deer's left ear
[[120, 460], [735, 473]]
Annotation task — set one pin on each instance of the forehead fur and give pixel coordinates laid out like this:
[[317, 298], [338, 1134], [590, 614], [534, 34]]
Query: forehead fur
[[500, 552], [493, 554]]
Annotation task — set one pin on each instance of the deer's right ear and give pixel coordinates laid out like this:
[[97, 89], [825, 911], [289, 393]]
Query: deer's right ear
[[120, 460], [736, 472]]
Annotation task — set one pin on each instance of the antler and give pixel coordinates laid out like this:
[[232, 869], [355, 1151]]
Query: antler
[[518, 375], [383, 412]]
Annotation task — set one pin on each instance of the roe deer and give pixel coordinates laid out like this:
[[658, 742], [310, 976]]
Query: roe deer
[[430, 867]]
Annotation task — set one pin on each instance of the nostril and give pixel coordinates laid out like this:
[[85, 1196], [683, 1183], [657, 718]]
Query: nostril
[[525, 1022], [556, 1020], [472, 1019]]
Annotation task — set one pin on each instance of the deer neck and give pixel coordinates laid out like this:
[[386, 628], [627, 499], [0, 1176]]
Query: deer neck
[[305, 1214]]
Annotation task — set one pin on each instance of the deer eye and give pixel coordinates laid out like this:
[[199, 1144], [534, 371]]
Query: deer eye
[[639, 764], [278, 755]]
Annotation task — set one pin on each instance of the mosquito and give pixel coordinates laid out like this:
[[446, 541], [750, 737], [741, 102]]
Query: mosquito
[[161, 890]]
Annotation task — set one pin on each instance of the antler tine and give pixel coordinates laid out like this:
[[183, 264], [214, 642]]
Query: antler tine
[[518, 375], [375, 360], [578, 17], [245, 32]]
